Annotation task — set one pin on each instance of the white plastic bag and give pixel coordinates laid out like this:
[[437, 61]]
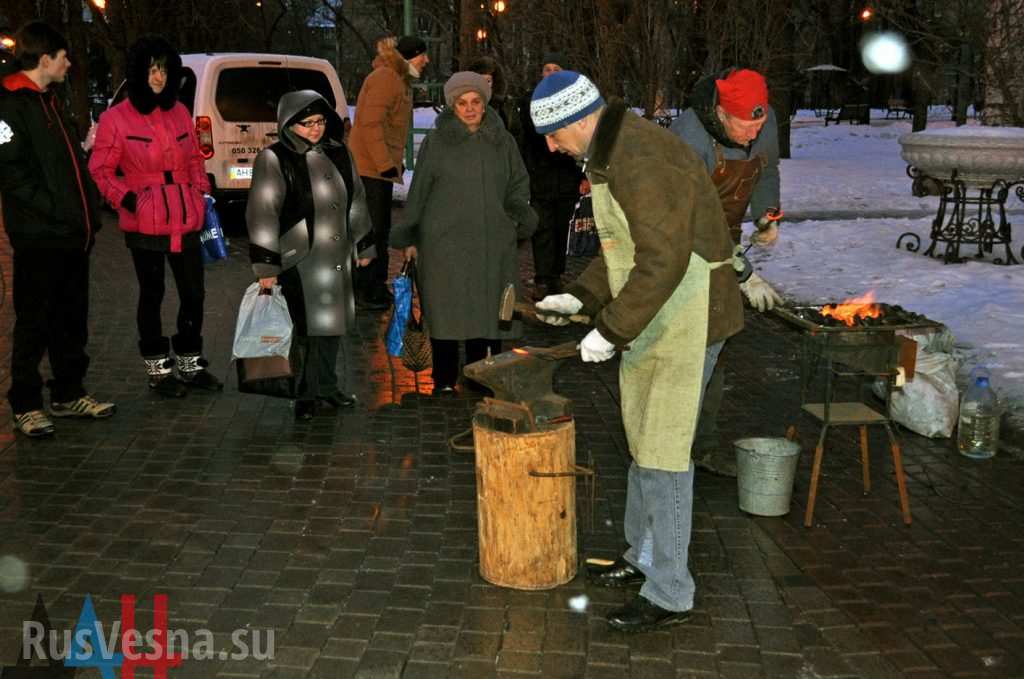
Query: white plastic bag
[[929, 403], [264, 327]]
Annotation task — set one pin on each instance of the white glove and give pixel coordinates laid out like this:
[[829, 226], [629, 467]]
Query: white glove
[[595, 348], [761, 295], [563, 304]]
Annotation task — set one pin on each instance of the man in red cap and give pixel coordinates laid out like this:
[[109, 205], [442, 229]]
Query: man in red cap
[[732, 128]]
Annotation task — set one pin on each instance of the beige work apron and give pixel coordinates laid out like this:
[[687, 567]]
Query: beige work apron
[[660, 375]]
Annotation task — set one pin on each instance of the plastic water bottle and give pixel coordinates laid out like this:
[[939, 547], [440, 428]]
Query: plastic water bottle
[[978, 429]]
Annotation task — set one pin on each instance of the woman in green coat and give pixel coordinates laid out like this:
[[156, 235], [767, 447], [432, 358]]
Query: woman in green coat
[[468, 205]]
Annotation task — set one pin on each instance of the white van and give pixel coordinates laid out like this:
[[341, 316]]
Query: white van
[[233, 96]]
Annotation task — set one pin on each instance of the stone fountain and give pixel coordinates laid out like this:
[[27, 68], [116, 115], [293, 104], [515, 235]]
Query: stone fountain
[[980, 156], [972, 169]]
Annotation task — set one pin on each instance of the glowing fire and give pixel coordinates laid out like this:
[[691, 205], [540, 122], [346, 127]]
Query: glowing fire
[[850, 310], [522, 352]]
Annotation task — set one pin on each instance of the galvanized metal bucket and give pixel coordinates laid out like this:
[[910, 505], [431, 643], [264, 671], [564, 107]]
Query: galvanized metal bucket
[[765, 468]]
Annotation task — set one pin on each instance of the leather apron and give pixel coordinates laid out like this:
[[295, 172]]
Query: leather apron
[[735, 181], [660, 374]]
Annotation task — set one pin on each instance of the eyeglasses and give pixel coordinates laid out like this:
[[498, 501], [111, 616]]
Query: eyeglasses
[[315, 122]]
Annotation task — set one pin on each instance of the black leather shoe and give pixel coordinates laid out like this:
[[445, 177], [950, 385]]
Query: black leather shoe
[[304, 410], [338, 400], [619, 574], [641, 615]]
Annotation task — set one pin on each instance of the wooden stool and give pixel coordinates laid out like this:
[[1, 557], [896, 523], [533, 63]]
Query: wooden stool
[[861, 416]]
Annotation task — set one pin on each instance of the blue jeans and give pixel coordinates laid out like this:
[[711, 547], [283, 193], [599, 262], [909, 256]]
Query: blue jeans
[[659, 519]]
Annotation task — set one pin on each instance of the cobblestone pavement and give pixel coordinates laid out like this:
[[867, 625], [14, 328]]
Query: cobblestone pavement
[[353, 537]]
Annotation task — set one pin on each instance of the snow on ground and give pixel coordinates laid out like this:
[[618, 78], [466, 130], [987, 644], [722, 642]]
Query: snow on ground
[[847, 199]]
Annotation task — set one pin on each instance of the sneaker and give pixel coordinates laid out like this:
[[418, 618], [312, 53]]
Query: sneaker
[[34, 423], [83, 406]]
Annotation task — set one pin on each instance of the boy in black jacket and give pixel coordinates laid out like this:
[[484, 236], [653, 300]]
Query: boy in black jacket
[[49, 212]]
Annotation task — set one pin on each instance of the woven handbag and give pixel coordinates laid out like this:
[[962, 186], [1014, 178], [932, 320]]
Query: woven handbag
[[416, 353]]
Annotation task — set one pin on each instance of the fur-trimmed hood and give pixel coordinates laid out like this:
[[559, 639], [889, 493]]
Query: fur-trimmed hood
[[140, 56], [390, 58]]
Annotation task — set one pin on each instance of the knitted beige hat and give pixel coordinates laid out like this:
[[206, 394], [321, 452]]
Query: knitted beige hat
[[465, 81]]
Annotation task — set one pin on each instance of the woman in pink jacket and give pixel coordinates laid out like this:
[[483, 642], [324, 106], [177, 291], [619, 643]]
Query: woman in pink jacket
[[158, 194]]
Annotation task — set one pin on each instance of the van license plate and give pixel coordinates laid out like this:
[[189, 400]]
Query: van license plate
[[240, 172]]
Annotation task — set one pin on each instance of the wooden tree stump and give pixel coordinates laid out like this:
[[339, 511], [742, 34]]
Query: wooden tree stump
[[527, 524]]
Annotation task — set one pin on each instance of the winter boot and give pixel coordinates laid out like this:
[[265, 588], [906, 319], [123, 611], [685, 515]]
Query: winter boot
[[718, 461], [161, 376], [193, 373]]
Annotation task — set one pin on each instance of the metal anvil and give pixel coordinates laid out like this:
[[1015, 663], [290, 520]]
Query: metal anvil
[[525, 376]]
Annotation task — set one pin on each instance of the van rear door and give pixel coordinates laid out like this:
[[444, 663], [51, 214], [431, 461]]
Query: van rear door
[[246, 99]]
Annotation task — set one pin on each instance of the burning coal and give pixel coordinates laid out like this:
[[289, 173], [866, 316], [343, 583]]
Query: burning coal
[[852, 311]]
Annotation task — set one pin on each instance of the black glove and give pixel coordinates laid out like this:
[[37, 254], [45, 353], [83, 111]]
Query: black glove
[[390, 173], [130, 201]]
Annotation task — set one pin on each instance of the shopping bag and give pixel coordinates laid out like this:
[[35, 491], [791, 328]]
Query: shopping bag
[[402, 287], [416, 354], [213, 245], [274, 376], [583, 240], [264, 326]]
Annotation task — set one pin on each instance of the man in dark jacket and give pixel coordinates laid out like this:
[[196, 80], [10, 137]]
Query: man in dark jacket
[[732, 128], [49, 213], [554, 189], [664, 287]]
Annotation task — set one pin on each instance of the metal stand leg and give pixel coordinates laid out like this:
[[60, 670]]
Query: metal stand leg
[[901, 481], [865, 459], [812, 494]]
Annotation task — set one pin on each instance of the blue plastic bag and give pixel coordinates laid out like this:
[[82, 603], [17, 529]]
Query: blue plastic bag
[[211, 238], [402, 285]]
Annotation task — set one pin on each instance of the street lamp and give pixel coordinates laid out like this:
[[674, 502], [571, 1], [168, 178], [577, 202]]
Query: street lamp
[[500, 6], [101, 5], [867, 14], [7, 42], [481, 34]]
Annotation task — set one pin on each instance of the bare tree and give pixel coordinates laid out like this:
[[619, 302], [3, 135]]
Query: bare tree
[[1004, 64]]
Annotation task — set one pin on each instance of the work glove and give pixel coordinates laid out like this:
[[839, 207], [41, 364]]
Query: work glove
[[767, 231], [765, 237], [761, 295], [130, 201], [595, 348], [563, 304]]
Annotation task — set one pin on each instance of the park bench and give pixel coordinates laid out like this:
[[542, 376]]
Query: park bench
[[897, 108], [855, 114]]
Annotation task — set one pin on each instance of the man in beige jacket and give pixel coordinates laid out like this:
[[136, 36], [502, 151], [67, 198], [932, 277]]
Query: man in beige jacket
[[377, 141]]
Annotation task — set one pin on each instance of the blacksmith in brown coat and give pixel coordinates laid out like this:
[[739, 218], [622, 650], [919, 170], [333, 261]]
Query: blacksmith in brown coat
[[664, 287]]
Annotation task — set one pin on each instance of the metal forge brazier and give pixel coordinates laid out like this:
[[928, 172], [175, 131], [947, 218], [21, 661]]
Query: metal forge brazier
[[855, 339]]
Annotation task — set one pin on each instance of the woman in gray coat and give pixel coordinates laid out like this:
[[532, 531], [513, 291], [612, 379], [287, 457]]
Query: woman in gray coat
[[468, 205], [306, 216]]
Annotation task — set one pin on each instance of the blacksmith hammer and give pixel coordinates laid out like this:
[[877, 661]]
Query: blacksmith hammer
[[511, 309]]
